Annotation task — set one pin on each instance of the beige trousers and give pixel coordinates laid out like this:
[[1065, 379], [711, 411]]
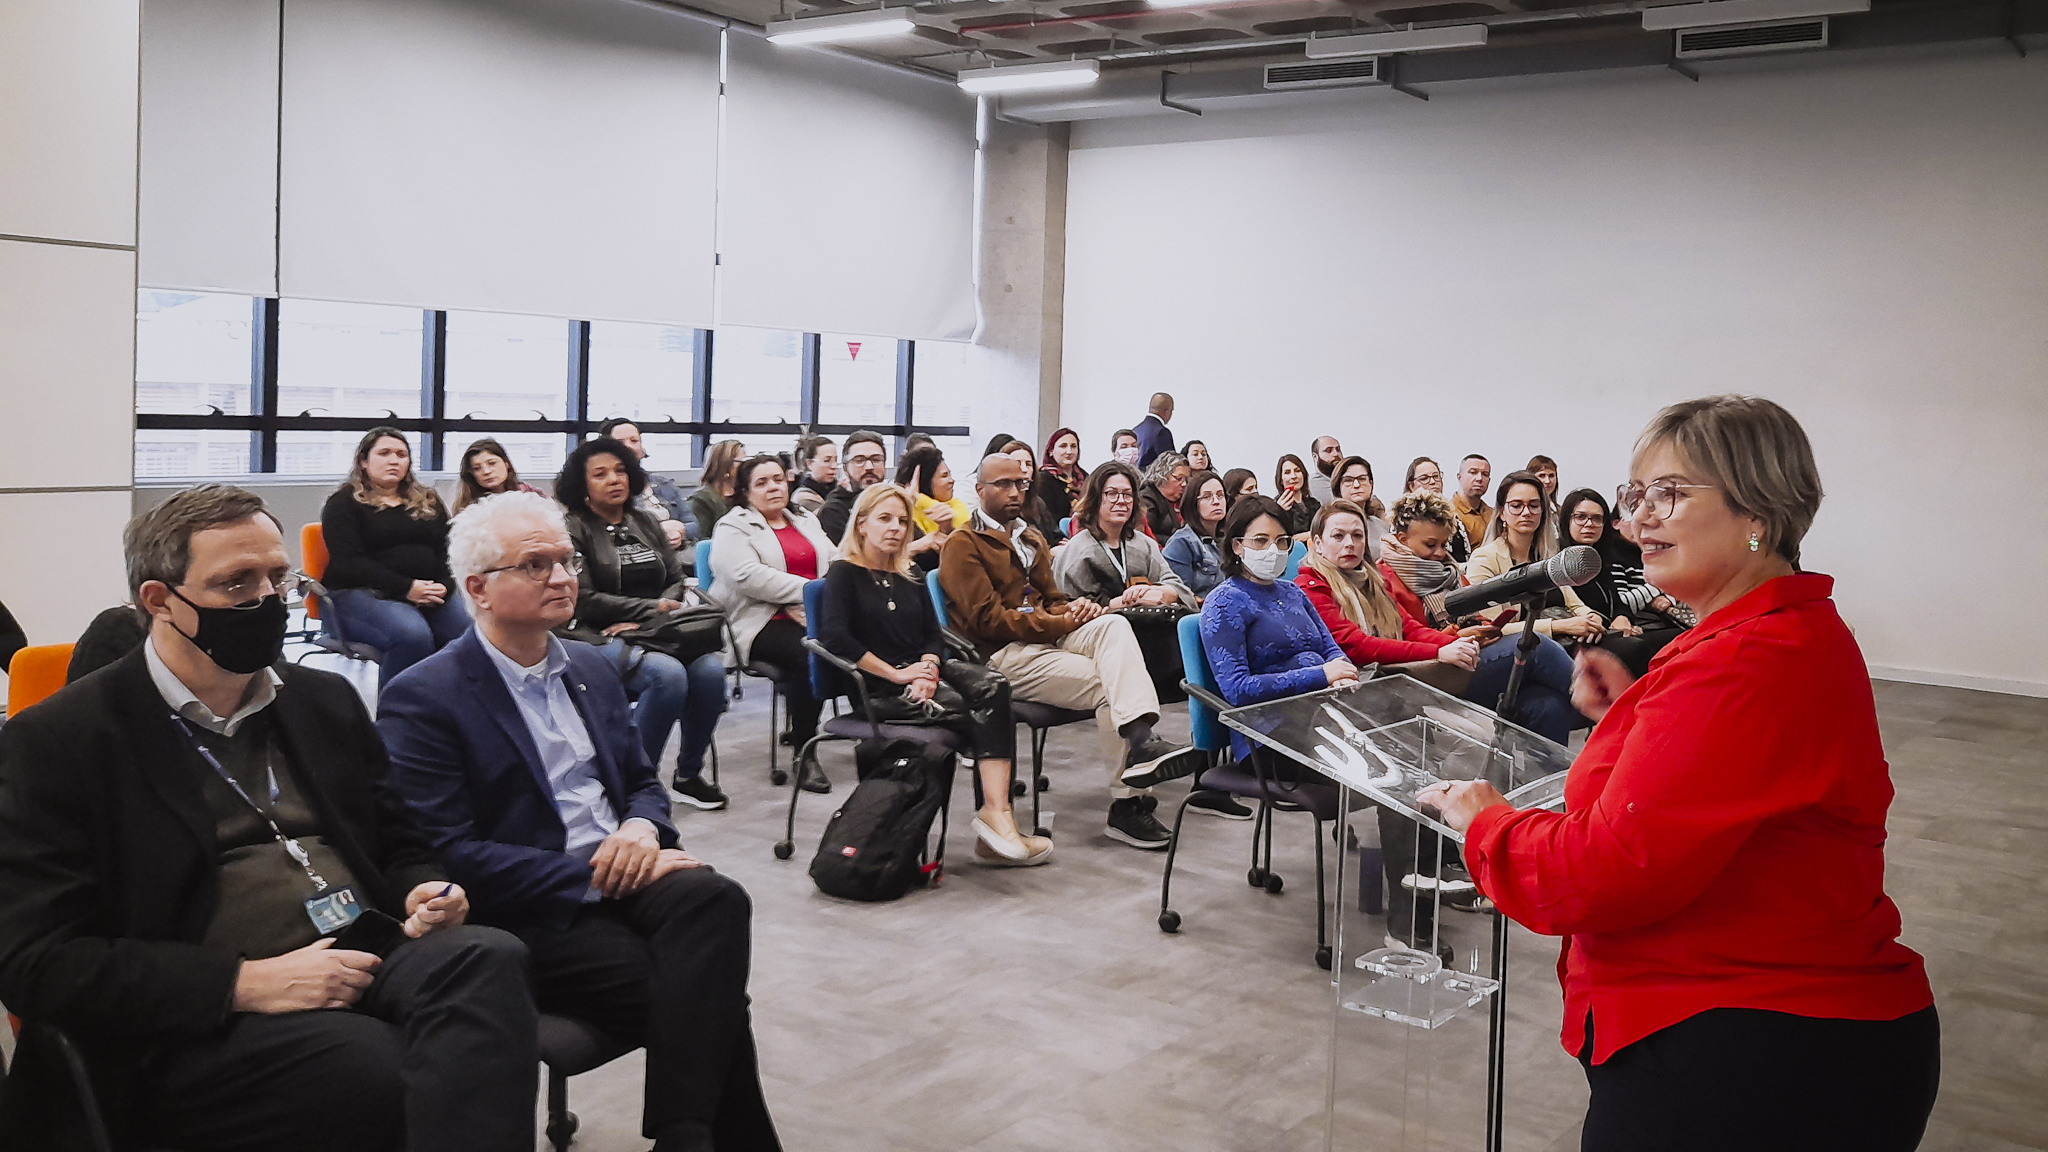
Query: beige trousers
[[1098, 666]]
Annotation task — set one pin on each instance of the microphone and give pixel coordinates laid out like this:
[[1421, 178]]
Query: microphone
[[1568, 569]]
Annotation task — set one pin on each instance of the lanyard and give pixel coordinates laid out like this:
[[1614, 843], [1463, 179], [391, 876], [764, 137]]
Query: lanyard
[[1116, 557], [291, 846]]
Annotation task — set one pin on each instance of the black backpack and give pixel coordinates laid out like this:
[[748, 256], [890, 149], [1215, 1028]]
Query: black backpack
[[874, 845]]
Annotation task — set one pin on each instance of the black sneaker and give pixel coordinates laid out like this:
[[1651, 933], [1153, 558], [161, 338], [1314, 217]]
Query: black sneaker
[[1218, 804], [1131, 821], [697, 792], [1156, 761], [815, 780]]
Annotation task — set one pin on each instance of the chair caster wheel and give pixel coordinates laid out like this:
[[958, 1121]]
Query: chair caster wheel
[[1323, 957], [784, 849], [1256, 877], [561, 1133], [778, 777], [1016, 788], [1044, 784], [1169, 921], [1274, 883]]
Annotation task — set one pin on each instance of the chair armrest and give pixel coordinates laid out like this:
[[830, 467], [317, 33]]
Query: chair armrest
[[81, 1081], [961, 644], [852, 671], [315, 591], [1206, 697]]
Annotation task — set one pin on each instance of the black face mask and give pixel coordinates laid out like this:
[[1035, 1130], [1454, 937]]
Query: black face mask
[[240, 640]]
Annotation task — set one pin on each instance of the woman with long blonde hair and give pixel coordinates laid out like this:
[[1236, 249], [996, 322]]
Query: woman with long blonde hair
[[1352, 598], [879, 618], [386, 533]]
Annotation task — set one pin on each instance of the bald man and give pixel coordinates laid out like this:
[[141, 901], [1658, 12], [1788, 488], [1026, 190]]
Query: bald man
[[1153, 438]]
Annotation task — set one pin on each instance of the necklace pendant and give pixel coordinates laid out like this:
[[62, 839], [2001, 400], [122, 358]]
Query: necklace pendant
[[892, 605]]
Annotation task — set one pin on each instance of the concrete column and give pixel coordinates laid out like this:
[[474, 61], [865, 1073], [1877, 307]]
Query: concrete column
[[1023, 280], [68, 123]]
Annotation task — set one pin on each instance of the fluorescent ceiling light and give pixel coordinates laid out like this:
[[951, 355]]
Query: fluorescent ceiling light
[[1413, 40], [1031, 77], [841, 26], [1743, 12]]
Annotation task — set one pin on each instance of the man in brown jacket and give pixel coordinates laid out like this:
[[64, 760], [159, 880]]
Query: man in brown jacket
[[1001, 595]]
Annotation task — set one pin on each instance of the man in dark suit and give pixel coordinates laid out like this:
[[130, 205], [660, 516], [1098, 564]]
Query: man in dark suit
[[1153, 438], [517, 752], [181, 835]]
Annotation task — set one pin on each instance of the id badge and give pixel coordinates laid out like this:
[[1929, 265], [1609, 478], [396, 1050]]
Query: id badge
[[333, 910]]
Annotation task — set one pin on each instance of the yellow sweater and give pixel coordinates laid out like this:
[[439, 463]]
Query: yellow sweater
[[921, 515]]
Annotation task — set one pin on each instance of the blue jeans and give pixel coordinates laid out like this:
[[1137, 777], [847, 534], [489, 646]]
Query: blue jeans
[[667, 691], [404, 632], [1545, 702]]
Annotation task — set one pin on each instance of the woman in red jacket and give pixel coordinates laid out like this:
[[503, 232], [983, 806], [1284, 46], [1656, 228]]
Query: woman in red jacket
[[1348, 594], [1732, 971]]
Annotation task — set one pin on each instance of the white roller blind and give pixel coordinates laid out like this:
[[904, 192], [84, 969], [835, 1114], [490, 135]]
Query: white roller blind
[[848, 198], [553, 157], [209, 145]]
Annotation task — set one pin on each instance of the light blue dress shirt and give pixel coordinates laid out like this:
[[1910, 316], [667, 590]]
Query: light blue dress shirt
[[566, 753]]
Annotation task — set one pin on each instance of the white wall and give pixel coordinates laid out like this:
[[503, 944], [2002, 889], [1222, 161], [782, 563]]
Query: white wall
[[1536, 267], [67, 307]]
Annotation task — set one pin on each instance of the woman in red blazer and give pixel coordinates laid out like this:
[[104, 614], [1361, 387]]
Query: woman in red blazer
[[1731, 967]]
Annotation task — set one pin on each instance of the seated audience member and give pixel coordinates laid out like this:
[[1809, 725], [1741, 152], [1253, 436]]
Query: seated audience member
[[12, 638], [1354, 483], [1198, 457], [714, 495], [1067, 653], [1166, 481], [628, 579], [1425, 475], [878, 616], [1124, 447], [1108, 560], [817, 472], [864, 463], [1191, 553], [923, 472], [1417, 567], [1035, 511], [1545, 471], [1263, 638], [625, 931], [1152, 433], [114, 633], [486, 470], [1351, 596], [1060, 481], [663, 499], [182, 834], [918, 440], [1469, 502], [1322, 481], [1290, 478], [387, 557], [1521, 533], [1642, 619], [1239, 483], [761, 555]]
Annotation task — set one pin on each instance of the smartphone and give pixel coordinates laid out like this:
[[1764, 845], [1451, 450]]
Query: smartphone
[[1507, 616], [372, 932]]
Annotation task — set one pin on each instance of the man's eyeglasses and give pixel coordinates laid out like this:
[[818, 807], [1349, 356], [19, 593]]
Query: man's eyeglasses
[[247, 591], [1659, 497], [541, 569], [1014, 484]]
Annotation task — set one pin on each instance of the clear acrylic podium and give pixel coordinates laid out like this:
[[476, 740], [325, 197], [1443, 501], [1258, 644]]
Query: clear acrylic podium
[[1396, 1004]]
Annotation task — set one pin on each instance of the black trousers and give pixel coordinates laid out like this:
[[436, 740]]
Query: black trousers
[[780, 644], [667, 966], [1406, 847], [1766, 1081], [976, 702], [439, 1054]]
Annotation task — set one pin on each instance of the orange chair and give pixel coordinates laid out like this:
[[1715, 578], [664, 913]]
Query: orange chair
[[35, 672], [312, 561], [329, 638]]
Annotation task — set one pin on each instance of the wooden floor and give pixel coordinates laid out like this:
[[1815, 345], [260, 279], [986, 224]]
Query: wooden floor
[[1030, 1009]]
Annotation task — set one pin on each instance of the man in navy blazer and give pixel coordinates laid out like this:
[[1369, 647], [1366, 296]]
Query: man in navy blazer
[[516, 751]]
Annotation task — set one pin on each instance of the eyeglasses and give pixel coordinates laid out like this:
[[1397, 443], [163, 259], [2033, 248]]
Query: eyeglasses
[[1590, 519], [1660, 497], [248, 590], [865, 458], [541, 569], [1014, 484], [1429, 477], [1522, 507], [1116, 497]]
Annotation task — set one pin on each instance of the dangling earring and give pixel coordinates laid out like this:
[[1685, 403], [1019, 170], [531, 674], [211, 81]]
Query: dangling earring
[[1752, 542]]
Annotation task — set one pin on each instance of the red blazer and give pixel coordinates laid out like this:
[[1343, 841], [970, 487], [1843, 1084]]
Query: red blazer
[[1722, 844], [1411, 607], [1360, 646]]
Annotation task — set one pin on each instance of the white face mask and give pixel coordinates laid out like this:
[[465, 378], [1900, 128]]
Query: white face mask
[[1265, 563], [1127, 456]]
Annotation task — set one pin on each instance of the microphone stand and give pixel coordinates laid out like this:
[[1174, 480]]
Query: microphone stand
[[1497, 1019]]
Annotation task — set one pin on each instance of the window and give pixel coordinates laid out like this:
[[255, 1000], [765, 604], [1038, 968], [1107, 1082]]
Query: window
[[503, 367], [326, 453], [756, 375], [644, 372], [194, 353], [348, 359], [940, 399], [856, 380]]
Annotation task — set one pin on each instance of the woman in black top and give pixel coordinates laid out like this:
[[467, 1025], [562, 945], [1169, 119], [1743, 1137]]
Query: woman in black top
[[1641, 619], [879, 618], [1059, 483], [631, 580], [1290, 478], [387, 557]]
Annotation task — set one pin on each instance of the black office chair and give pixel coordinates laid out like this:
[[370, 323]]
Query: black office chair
[[571, 1048], [756, 669]]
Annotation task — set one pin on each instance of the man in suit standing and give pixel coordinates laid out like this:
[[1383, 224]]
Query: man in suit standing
[[183, 836], [517, 753], [1153, 438]]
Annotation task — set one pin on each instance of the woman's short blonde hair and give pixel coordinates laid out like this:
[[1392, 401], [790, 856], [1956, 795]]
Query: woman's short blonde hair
[[853, 548], [1754, 453]]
